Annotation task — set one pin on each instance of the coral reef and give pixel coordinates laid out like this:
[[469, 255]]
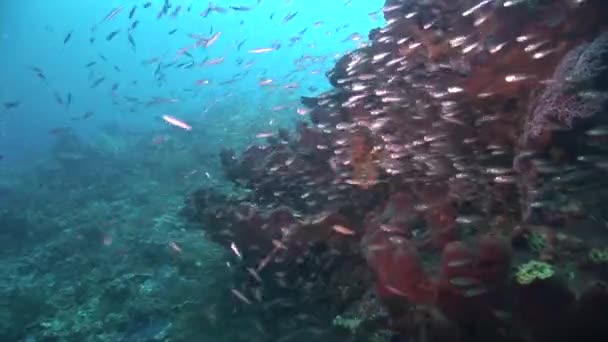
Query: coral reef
[[455, 147]]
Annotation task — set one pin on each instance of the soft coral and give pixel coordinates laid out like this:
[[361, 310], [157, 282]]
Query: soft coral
[[471, 280], [398, 269]]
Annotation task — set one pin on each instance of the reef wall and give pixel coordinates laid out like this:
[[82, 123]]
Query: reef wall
[[449, 187]]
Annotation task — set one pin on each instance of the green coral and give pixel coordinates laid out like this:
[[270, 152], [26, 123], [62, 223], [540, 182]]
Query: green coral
[[534, 270], [351, 323], [598, 255], [536, 242]]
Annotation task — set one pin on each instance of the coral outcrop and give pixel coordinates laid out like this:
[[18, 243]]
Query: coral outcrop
[[460, 133]]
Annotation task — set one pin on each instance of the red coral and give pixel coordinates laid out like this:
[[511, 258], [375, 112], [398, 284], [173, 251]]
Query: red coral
[[363, 160], [398, 269], [441, 222], [458, 280], [399, 210], [470, 281]]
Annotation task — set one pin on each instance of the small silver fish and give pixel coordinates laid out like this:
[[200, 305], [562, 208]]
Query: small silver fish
[[474, 292], [460, 263], [463, 281]]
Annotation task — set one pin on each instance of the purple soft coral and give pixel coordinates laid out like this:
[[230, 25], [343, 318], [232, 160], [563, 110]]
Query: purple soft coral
[[560, 103]]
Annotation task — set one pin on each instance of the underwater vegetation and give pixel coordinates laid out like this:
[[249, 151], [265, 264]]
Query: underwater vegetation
[[450, 187]]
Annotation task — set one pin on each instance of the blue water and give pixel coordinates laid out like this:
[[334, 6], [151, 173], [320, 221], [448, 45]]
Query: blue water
[[32, 34]]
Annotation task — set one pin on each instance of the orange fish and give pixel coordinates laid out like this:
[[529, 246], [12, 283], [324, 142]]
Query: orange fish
[[343, 230]]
